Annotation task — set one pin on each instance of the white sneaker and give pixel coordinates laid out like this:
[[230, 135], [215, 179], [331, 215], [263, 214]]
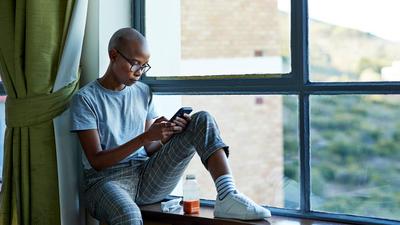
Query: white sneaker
[[238, 206]]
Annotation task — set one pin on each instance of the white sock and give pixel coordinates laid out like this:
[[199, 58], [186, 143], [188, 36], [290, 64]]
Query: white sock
[[225, 185]]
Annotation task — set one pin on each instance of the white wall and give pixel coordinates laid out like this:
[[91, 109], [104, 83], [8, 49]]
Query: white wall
[[213, 66], [90, 50], [2, 132], [104, 18], [114, 14], [163, 32]]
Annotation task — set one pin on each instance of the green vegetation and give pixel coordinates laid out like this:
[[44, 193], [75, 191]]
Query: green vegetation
[[354, 153], [355, 139]]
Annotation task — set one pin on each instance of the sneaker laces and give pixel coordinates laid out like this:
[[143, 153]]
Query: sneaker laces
[[243, 199]]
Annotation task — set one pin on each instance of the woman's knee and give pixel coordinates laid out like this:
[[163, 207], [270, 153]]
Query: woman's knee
[[201, 115], [201, 118], [127, 214], [113, 204]]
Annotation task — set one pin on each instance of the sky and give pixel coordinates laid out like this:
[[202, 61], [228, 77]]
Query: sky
[[364, 15]]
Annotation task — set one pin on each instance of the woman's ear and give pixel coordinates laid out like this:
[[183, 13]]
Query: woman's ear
[[112, 54]]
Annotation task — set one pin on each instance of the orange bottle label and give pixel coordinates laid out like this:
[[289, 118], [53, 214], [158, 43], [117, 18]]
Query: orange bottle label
[[191, 207]]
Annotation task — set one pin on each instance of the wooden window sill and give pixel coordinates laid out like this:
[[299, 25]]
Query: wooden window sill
[[152, 213]]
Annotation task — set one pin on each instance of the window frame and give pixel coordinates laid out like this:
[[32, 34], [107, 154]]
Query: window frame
[[296, 82]]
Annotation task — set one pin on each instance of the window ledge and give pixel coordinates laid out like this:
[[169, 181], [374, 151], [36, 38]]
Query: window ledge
[[152, 213]]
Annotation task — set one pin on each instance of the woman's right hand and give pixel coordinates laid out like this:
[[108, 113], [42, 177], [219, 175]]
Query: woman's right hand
[[161, 129]]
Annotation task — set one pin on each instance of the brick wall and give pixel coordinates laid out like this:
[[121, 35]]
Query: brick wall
[[254, 132], [229, 28]]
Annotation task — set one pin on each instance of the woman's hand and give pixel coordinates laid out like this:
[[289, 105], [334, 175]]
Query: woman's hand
[[162, 130], [182, 122]]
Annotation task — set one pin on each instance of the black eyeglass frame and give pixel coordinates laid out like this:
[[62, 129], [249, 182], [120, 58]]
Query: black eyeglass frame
[[143, 68]]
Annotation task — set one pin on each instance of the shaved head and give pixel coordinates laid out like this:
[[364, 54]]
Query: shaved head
[[129, 56], [127, 38]]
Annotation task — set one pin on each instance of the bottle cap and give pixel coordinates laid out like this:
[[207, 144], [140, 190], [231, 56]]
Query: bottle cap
[[190, 177]]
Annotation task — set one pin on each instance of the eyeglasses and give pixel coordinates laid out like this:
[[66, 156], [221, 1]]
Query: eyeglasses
[[135, 66]]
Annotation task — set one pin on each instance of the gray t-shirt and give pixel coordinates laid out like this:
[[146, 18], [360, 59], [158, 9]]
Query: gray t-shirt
[[119, 116]]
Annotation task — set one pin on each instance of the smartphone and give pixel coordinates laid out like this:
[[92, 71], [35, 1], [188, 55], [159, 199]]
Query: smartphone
[[180, 113]]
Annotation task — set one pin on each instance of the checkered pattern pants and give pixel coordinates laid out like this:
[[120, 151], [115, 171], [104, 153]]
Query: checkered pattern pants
[[113, 194]]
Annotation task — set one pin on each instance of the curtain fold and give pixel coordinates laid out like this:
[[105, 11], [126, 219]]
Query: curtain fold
[[42, 107], [32, 34]]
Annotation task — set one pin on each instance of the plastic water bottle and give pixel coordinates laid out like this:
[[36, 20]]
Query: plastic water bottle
[[191, 195]]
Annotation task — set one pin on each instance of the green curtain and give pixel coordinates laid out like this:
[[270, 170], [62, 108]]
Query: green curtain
[[31, 42]]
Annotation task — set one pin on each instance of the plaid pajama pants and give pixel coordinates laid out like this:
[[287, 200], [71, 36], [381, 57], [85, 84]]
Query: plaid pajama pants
[[113, 194]]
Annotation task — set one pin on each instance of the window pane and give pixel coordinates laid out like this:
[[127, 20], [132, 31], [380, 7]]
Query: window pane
[[354, 40], [355, 154], [263, 137], [220, 37]]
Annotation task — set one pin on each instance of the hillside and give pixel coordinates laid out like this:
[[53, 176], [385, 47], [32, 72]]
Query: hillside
[[339, 53], [354, 138]]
